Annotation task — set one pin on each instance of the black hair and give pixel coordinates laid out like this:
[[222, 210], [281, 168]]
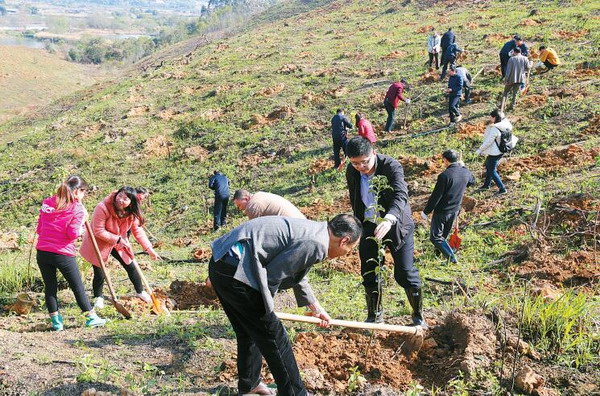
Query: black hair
[[450, 155], [239, 194], [346, 225], [452, 67], [543, 47], [134, 208], [517, 50], [358, 146], [358, 117], [497, 114], [339, 111], [517, 38]]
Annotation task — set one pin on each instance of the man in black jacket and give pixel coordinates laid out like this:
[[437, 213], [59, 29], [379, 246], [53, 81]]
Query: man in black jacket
[[445, 201], [220, 184], [386, 217], [339, 129], [447, 39]]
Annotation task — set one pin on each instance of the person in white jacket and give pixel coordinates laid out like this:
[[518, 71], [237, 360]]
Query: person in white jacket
[[490, 147], [434, 48]]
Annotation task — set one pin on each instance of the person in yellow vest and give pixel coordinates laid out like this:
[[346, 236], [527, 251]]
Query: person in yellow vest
[[549, 58]]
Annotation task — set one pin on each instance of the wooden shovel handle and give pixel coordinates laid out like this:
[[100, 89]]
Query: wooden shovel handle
[[99, 255], [158, 308], [411, 330]]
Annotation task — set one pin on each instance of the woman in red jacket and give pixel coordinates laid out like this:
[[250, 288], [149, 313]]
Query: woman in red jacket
[[112, 219], [365, 128], [59, 225]]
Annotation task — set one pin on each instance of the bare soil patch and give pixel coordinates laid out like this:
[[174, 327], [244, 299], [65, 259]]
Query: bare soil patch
[[430, 76], [158, 146], [319, 208], [189, 295], [417, 167], [467, 131], [552, 160]]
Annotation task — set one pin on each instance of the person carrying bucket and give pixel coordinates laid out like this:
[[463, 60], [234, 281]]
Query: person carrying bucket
[[60, 224]]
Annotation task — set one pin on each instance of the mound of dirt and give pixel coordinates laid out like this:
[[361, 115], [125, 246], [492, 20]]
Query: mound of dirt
[[496, 37], [270, 91], [553, 160], [349, 264], [157, 146], [9, 241], [256, 120], [202, 254], [319, 165], [318, 208], [138, 111], [467, 130], [289, 68], [189, 295], [198, 153], [394, 55], [281, 113], [464, 342], [575, 269], [532, 101], [211, 114], [330, 357], [529, 22], [571, 35], [337, 92], [593, 127], [430, 76], [478, 95], [168, 114], [416, 167], [424, 29]]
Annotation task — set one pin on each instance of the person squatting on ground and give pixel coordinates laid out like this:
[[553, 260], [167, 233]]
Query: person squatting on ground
[[393, 97], [549, 58], [395, 230], [118, 213], [220, 184], [365, 128], [60, 224], [445, 201], [507, 51], [340, 124], [454, 91], [265, 204], [249, 265], [434, 48], [490, 147], [464, 73], [449, 58], [515, 78]]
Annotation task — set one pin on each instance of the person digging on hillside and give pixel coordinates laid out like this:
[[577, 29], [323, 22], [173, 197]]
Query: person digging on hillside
[[445, 201], [118, 213], [365, 128], [447, 39], [220, 184], [549, 58], [449, 58], [507, 51], [392, 98], [59, 225], [454, 91], [393, 225], [254, 261], [491, 148], [464, 73], [265, 204], [515, 78], [434, 48], [340, 124]]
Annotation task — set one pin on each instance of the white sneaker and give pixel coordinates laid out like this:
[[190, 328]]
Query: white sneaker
[[459, 118], [99, 303], [144, 296]]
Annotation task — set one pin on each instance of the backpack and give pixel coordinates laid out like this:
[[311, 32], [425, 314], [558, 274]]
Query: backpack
[[505, 142]]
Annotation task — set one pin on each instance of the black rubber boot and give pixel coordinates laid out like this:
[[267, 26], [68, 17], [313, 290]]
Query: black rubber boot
[[374, 306], [415, 299]]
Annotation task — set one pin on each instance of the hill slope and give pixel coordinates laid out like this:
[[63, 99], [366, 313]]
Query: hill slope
[[257, 106]]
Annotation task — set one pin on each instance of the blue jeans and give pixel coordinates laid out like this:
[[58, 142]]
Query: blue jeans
[[491, 172], [391, 111]]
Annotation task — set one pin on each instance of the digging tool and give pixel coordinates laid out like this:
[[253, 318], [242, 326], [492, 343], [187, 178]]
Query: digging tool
[[118, 306], [526, 89], [411, 346], [157, 307]]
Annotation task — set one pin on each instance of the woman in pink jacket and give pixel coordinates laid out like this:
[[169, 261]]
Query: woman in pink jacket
[[59, 225], [112, 219], [365, 128]]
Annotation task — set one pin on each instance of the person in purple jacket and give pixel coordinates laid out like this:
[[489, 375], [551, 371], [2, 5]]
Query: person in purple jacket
[[60, 224]]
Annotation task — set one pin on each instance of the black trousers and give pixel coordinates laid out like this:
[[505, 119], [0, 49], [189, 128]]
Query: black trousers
[[220, 211], [431, 58], [467, 91], [446, 61], [405, 272], [50, 262], [503, 63], [134, 277], [338, 145], [391, 114], [441, 225], [258, 334], [549, 65], [453, 107]]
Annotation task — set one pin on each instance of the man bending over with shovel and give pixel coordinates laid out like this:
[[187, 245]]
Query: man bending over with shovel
[[249, 265]]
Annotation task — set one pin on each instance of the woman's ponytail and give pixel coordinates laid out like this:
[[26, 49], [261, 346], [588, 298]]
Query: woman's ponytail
[[64, 192]]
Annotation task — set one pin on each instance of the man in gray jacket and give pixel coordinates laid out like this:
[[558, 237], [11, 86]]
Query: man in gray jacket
[[250, 264], [515, 77]]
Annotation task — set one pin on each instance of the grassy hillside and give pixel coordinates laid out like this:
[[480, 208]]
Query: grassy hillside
[[32, 77], [257, 106]]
